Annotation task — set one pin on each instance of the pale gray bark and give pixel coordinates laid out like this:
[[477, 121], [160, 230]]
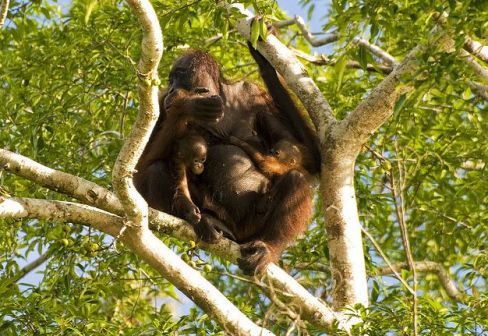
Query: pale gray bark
[[152, 49], [3, 11], [61, 211], [478, 69], [83, 190], [313, 40], [312, 309], [377, 51], [343, 226], [292, 71], [149, 248], [191, 282], [477, 49]]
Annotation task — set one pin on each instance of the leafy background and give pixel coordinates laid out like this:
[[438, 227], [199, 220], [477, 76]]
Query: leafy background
[[67, 78]]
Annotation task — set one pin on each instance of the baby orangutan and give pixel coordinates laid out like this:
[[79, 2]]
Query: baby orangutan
[[190, 153], [284, 156]]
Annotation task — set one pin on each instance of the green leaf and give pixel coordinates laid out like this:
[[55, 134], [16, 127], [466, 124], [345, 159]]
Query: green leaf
[[263, 30], [363, 57], [310, 12], [374, 31], [375, 293], [339, 69], [90, 6], [254, 33], [399, 103]]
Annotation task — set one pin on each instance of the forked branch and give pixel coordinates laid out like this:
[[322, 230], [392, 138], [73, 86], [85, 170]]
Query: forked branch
[[313, 310], [83, 190], [152, 49], [373, 111], [149, 248]]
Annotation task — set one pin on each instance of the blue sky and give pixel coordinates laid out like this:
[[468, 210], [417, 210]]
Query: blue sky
[[292, 7]]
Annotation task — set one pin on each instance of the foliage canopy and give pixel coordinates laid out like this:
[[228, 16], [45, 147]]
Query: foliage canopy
[[67, 77]]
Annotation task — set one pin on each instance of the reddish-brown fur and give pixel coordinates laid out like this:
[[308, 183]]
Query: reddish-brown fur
[[263, 211]]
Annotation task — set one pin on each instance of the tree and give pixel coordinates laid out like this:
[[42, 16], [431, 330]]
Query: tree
[[398, 241]]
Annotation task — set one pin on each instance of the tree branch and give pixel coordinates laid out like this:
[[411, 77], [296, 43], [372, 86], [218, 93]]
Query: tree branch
[[152, 48], [480, 70], [190, 282], [476, 48], [479, 89], [292, 71], [312, 309], [324, 60], [333, 37], [429, 266], [314, 41], [32, 266], [373, 111], [61, 211], [3, 11], [149, 248], [83, 190], [377, 51]]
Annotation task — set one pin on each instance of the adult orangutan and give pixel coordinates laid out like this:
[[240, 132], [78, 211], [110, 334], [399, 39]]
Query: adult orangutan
[[261, 211]]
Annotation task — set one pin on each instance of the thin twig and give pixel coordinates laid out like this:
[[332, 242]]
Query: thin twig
[[32, 266], [400, 212], [325, 60], [430, 267], [333, 37], [314, 41], [385, 258], [377, 51], [219, 36]]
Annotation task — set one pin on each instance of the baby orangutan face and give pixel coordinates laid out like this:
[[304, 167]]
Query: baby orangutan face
[[287, 153], [193, 152]]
